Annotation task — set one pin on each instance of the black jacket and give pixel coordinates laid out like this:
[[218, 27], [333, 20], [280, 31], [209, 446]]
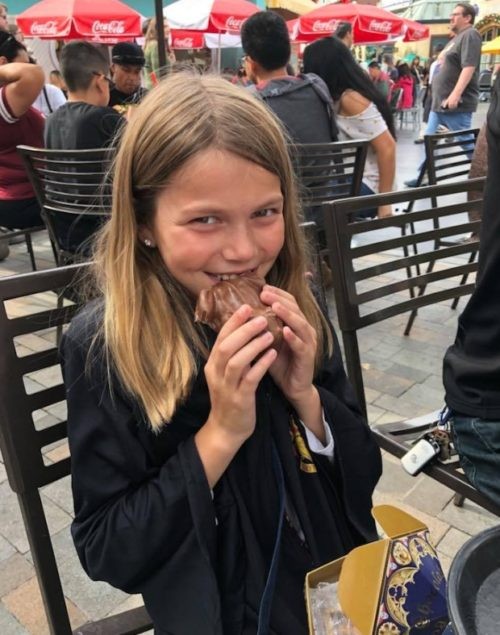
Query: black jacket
[[146, 520], [471, 371]]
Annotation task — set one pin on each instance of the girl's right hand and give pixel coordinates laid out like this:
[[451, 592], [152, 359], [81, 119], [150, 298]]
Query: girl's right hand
[[237, 363]]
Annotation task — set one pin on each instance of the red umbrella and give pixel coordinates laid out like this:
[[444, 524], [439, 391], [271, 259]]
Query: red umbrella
[[370, 24], [80, 19], [415, 31], [209, 16], [186, 39]]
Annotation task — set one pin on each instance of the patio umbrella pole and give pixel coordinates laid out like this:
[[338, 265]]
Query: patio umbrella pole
[[160, 36]]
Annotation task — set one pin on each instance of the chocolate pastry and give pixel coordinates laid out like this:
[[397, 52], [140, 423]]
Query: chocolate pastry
[[218, 303]]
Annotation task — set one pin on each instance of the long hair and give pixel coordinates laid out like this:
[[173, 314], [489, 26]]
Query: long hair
[[150, 339], [334, 63]]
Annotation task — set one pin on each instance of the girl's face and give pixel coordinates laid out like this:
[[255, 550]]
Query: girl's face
[[220, 216]]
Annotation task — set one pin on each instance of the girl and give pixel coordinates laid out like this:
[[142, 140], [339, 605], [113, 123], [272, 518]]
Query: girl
[[187, 446], [406, 83], [362, 113]]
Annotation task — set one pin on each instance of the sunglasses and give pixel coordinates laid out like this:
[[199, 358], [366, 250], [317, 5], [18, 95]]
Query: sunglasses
[[111, 83]]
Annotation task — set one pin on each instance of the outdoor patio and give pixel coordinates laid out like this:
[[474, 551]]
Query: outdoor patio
[[402, 377]]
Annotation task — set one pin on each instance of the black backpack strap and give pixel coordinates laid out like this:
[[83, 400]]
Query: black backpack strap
[[44, 89]]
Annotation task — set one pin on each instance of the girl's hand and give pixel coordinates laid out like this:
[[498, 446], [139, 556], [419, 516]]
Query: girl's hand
[[293, 369], [237, 363]]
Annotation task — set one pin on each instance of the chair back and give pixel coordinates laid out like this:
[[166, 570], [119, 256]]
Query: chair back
[[73, 188], [449, 154], [380, 272], [33, 430], [329, 171], [473, 583]]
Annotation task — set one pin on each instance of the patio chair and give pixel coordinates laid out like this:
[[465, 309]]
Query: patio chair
[[379, 272], [24, 443], [473, 584], [74, 192], [326, 171], [448, 158]]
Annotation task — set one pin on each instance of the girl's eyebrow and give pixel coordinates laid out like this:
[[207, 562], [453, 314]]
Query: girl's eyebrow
[[197, 208]]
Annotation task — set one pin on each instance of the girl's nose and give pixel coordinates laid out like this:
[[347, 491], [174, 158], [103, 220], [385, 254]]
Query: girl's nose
[[240, 245]]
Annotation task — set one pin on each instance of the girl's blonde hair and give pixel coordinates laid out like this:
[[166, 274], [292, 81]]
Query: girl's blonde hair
[[149, 334]]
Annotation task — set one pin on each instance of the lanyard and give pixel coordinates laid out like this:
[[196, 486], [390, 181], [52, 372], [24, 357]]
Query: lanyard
[[267, 595]]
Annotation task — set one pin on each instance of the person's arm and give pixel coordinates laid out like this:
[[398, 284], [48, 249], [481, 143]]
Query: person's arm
[[384, 146], [23, 83], [453, 99]]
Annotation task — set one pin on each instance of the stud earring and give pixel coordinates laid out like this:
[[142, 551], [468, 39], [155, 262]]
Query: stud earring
[[148, 243]]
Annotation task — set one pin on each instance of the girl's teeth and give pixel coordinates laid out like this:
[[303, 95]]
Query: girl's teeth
[[230, 276]]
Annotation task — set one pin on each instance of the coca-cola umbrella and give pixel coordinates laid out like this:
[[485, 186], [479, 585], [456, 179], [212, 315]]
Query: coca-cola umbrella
[[369, 24], [414, 31], [180, 40], [209, 16], [80, 19]]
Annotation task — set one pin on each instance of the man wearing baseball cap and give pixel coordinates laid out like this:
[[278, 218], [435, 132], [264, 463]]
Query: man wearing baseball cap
[[126, 69]]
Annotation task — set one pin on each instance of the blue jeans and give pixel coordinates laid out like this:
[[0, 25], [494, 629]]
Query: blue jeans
[[453, 121], [477, 442]]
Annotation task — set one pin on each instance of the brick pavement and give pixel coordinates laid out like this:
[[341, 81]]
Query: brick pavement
[[402, 377]]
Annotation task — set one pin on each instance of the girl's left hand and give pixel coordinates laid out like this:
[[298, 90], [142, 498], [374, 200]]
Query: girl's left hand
[[293, 369]]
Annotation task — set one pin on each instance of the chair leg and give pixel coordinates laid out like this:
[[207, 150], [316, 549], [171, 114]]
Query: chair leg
[[29, 245], [458, 500]]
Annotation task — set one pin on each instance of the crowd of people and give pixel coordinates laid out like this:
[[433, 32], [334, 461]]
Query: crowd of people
[[213, 465]]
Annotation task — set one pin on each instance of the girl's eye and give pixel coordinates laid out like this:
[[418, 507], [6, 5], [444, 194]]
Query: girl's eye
[[205, 220], [262, 213]]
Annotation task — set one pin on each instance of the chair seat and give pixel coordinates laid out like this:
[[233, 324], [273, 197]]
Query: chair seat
[[398, 437]]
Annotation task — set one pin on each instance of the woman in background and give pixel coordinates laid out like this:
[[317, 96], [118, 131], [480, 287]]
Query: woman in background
[[152, 66], [361, 111]]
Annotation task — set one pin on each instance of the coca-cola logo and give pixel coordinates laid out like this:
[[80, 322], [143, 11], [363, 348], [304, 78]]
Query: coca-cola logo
[[44, 28], [183, 43], [321, 26], [113, 27], [233, 24], [382, 27]]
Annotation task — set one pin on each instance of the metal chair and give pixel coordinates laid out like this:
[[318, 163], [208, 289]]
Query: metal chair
[[484, 82], [358, 281], [22, 444], [473, 584], [74, 192], [448, 158]]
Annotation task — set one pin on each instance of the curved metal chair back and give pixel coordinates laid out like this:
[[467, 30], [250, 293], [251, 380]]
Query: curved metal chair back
[[73, 188]]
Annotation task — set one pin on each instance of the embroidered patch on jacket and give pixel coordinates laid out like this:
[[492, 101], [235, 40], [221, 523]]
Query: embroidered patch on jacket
[[306, 463]]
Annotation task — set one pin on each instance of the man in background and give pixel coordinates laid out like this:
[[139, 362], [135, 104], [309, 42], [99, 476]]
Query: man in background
[[126, 69], [380, 80], [302, 103], [455, 88], [344, 34]]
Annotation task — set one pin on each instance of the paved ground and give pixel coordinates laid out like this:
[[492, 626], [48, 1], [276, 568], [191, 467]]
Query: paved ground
[[402, 377]]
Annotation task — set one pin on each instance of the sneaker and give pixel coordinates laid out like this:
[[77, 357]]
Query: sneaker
[[419, 140], [411, 183]]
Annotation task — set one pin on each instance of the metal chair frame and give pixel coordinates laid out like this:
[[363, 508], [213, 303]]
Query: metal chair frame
[[22, 444], [350, 300], [445, 160], [69, 184]]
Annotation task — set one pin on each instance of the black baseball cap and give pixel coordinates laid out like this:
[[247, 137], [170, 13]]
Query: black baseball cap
[[127, 53]]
